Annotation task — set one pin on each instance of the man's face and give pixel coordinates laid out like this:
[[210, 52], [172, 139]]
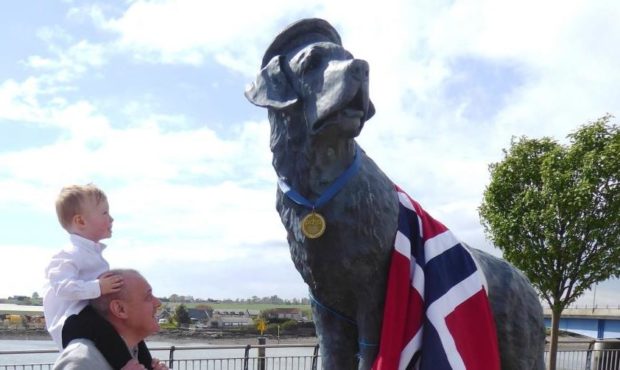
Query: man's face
[[141, 307]]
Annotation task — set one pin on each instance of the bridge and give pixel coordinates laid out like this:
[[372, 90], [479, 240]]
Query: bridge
[[599, 323]]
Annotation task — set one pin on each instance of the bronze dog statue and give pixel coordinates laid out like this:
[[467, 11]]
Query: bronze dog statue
[[317, 97]]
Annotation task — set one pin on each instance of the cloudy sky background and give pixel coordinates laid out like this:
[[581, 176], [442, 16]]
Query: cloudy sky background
[[145, 99]]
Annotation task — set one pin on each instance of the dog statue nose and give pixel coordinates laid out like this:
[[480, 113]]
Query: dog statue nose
[[359, 69]]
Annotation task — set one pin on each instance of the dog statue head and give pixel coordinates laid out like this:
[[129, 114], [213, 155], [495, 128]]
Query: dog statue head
[[307, 74]]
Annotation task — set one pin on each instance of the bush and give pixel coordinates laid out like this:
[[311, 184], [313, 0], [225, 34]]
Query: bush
[[289, 325]]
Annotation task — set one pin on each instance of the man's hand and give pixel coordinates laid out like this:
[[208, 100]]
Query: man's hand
[[110, 283], [158, 365], [133, 365]]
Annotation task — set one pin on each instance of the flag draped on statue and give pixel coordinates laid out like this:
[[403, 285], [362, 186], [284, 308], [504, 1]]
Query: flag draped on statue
[[437, 314]]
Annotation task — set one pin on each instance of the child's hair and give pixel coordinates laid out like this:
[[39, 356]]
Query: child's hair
[[71, 199]]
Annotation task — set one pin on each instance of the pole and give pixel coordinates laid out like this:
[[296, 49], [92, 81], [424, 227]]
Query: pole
[[171, 357], [594, 299], [246, 357], [261, 353]]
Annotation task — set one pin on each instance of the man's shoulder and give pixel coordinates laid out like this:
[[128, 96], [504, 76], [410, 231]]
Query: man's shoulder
[[81, 354]]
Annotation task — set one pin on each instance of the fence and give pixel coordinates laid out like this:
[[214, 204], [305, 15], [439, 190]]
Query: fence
[[593, 355], [291, 357], [210, 357]]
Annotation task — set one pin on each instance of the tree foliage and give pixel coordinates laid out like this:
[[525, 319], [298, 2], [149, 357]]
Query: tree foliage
[[553, 210], [181, 316]]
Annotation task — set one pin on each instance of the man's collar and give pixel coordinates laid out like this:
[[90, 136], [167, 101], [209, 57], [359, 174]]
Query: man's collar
[[133, 350]]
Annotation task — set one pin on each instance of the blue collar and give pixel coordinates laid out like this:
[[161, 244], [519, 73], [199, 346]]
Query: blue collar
[[328, 194]]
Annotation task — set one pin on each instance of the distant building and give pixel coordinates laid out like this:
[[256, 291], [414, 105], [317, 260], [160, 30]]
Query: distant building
[[229, 312], [285, 314], [165, 313], [236, 312], [17, 316], [231, 317], [231, 321], [198, 316], [253, 313]]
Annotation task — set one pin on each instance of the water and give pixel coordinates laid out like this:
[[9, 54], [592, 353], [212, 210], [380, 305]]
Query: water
[[566, 360], [179, 354], [20, 345]]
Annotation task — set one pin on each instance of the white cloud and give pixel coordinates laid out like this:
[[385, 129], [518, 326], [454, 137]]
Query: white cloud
[[203, 202], [187, 31], [16, 260]]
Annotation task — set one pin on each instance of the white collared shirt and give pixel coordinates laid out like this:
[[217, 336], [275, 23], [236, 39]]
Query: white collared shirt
[[71, 281]]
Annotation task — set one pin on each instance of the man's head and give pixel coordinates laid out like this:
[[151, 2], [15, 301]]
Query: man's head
[[84, 210], [132, 309]]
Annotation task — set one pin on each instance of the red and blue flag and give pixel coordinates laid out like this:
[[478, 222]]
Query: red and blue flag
[[437, 314]]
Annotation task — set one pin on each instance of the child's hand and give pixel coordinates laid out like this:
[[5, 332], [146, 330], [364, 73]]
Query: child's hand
[[110, 283], [133, 365], [159, 365]]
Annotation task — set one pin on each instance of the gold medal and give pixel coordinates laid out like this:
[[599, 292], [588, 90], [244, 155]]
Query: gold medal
[[313, 225]]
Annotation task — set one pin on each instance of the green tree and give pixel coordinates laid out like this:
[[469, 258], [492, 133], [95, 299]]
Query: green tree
[[553, 210], [181, 316]]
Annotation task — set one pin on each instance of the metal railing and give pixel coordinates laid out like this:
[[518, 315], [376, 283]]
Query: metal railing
[[587, 355], [589, 359], [291, 357], [208, 357]]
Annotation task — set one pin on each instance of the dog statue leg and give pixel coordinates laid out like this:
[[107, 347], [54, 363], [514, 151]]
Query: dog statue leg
[[518, 314], [369, 318], [368, 349], [337, 340]]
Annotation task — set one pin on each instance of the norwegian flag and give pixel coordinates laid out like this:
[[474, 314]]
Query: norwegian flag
[[436, 315]]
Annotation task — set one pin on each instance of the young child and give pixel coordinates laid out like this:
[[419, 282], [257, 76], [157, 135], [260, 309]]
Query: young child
[[79, 273]]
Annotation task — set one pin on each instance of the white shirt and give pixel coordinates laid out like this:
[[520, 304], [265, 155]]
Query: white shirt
[[71, 281]]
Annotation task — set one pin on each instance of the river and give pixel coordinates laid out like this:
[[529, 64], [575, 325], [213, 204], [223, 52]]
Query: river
[[179, 354], [567, 359]]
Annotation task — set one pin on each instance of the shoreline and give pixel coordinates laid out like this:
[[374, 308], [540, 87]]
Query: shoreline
[[176, 337]]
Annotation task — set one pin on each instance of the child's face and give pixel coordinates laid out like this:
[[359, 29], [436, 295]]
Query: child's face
[[97, 222]]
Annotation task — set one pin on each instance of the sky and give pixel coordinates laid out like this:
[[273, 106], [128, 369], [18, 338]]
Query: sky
[[145, 99]]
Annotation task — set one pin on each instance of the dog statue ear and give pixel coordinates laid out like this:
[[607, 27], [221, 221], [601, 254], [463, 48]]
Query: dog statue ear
[[271, 88]]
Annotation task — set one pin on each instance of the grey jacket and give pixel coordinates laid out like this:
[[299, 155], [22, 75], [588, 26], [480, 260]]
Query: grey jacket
[[81, 354]]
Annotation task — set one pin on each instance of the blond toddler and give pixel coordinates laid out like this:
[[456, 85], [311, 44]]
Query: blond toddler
[[78, 273]]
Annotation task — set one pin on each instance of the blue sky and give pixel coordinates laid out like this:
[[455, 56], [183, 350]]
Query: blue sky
[[145, 99]]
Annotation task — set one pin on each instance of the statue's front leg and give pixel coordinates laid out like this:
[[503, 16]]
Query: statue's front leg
[[337, 340], [367, 354], [369, 319]]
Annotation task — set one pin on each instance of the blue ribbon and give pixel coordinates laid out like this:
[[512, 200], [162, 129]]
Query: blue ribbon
[[328, 194], [332, 311], [362, 343]]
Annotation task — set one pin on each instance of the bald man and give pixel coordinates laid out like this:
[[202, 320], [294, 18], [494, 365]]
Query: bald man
[[131, 315]]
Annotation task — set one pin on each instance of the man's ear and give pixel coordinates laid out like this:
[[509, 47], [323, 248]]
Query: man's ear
[[272, 88], [117, 308]]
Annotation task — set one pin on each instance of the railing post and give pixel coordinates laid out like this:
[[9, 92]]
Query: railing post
[[589, 356], [315, 356], [246, 357], [171, 357], [261, 353]]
